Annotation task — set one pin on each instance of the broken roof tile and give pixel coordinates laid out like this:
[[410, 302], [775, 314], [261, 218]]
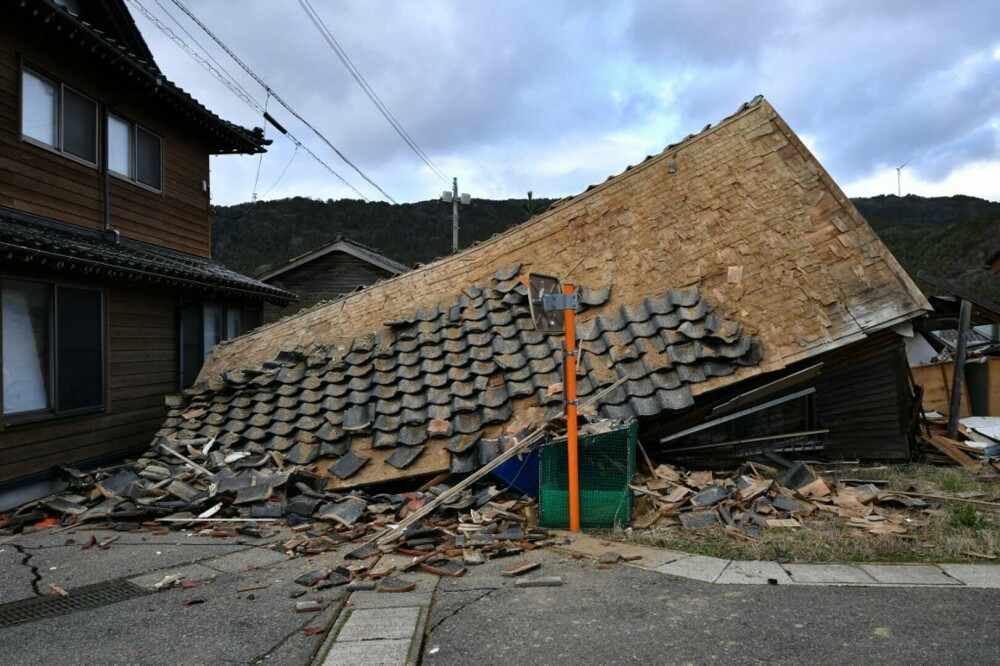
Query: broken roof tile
[[357, 417], [463, 389], [404, 456], [462, 443], [388, 423], [467, 423], [510, 361], [694, 312], [498, 414], [594, 297], [329, 432], [461, 404], [412, 435], [507, 273], [690, 374], [439, 411], [348, 465], [383, 440]]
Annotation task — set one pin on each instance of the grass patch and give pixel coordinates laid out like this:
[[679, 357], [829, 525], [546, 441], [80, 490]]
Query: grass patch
[[945, 531], [966, 516]]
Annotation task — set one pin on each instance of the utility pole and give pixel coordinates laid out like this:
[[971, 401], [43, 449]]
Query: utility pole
[[453, 197]]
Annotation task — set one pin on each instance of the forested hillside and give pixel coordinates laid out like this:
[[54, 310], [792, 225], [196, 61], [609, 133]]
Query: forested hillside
[[949, 237]]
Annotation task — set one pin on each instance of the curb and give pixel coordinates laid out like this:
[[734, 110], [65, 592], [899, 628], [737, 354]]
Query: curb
[[743, 572]]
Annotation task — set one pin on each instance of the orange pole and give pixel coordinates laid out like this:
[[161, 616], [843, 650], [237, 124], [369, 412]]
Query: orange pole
[[572, 450]]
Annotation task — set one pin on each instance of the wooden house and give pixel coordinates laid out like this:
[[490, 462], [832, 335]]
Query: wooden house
[[738, 296], [329, 272], [110, 296]]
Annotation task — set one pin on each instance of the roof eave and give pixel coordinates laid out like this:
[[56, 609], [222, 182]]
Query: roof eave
[[228, 137]]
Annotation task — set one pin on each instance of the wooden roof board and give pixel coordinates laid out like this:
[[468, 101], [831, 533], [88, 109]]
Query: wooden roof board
[[742, 210]]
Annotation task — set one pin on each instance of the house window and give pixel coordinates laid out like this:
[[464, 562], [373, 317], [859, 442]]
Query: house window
[[135, 153], [57, 116], [53, 349], [204, 325]]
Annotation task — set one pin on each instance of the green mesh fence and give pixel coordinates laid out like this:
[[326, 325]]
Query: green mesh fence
[[607, 465]]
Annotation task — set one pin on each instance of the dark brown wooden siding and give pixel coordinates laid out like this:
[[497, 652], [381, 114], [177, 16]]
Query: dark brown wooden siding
[[44, 182], [142, 367], [325, 278], [864, 400]]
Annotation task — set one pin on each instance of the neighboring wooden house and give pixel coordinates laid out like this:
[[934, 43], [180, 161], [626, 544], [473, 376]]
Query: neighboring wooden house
[[329, 272], [110, 297], [727, 281]]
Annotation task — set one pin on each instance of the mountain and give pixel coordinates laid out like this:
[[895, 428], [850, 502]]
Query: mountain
[[948, 237], [251, 238]]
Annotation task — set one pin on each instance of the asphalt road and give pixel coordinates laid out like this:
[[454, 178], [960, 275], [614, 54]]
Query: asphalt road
[[624, 615], [598, 616]]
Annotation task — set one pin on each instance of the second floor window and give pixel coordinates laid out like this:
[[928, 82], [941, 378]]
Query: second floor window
[[57, 116], [134, 152]]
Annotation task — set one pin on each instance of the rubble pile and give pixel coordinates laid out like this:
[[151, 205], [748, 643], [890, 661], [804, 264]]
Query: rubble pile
[[758, 497], [244, 498]]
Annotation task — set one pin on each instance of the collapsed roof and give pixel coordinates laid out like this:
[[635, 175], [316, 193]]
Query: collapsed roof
[[728, 255]]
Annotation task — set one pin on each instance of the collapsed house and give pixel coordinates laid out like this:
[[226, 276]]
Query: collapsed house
[[728, 283]]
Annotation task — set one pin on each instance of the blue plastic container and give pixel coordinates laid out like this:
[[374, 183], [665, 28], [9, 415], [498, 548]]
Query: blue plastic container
[[520, 472]]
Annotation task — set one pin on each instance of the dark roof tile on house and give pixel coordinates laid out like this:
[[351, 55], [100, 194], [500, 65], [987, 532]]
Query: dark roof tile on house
[[119, 52], [437, 391], [372, 255], [66, 247]]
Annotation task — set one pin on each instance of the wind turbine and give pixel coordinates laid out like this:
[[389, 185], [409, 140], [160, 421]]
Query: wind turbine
[[899, 182]]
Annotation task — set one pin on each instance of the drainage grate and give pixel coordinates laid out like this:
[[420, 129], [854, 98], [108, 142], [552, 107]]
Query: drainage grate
[[81, 598]]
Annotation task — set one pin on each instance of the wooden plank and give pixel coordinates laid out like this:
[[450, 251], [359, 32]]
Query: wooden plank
[[936, 380], [949, 447], [994, 386]]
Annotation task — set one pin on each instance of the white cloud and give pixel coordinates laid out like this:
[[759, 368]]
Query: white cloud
[[555, 96]]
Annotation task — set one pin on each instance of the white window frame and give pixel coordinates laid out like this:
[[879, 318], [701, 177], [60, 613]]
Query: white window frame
[[59, 146], [133, 156], [53, 408]]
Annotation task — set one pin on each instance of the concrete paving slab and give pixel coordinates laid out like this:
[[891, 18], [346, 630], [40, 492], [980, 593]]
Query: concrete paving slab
[[419, 597], [746, 572], [974, 575], [380, 624], [191, 573], [372, 653], [247, 560], [696, 567], [909, 574], [828, 574], [590, 546]]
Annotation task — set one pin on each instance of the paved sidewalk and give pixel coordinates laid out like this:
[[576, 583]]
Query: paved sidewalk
[[377, 628], [741, 572]]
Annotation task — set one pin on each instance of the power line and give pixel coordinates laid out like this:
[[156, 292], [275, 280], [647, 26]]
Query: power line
[[237, 90], [278, 98], [366, 87], [203, 49]]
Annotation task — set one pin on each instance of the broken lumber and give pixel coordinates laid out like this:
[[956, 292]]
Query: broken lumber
[[950, 448], [393, 533]]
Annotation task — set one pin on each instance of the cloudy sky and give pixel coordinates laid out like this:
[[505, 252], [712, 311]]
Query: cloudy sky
[[553, 96]]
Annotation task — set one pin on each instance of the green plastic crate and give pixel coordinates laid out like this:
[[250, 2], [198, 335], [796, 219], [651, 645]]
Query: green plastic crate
[[607, 465]]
